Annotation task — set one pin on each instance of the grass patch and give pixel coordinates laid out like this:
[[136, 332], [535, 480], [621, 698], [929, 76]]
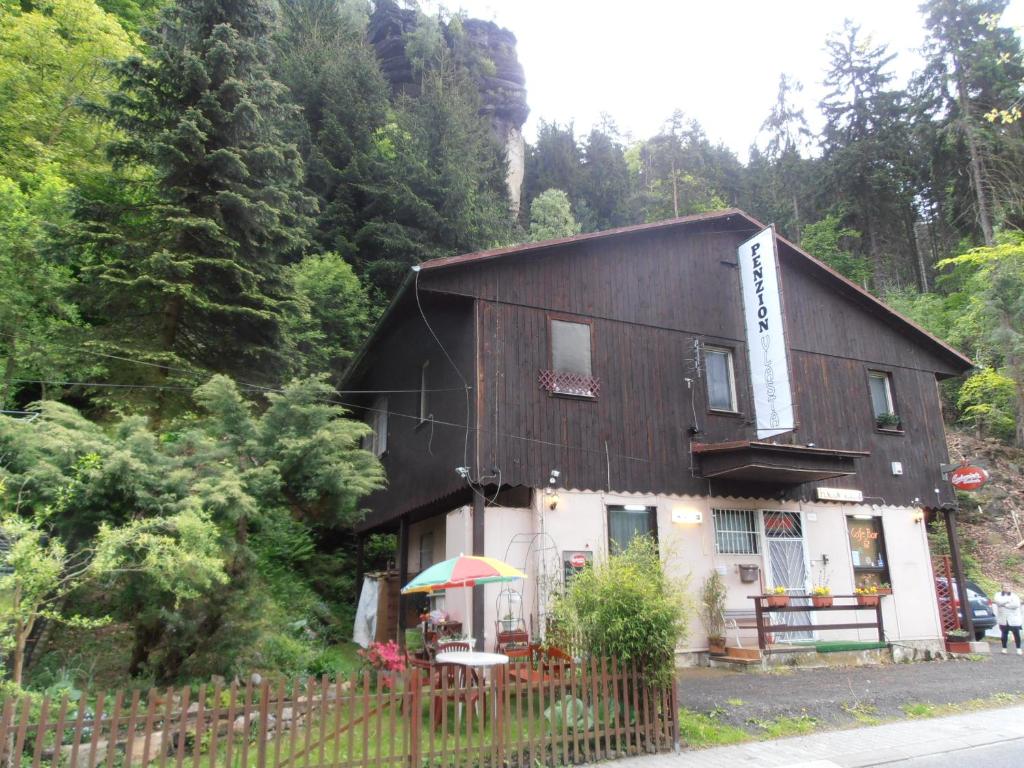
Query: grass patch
[[865, 714], [784, 725], [701, 729], [735, 702], [927, 709], [919, 709], [339, 660]]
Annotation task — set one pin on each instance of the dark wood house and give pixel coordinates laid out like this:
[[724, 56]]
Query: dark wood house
[[583, 390]]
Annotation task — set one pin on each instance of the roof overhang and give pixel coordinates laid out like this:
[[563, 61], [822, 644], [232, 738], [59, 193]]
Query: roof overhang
[[751, 461]]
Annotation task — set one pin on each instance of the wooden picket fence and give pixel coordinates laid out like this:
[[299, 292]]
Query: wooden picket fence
[[520, 716]]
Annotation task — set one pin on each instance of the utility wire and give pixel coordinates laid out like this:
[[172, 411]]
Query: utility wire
[[113, 385]]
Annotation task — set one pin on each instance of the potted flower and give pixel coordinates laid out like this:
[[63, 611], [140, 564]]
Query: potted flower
[[957, 641], [777, 597], [821, 596], [867, 596], [887, 421], [712, 612], [885, 589]]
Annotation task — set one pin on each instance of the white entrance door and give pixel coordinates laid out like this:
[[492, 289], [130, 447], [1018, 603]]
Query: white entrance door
[[787, 567]]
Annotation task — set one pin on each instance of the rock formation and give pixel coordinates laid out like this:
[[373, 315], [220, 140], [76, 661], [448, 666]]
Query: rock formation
[[502, 84]]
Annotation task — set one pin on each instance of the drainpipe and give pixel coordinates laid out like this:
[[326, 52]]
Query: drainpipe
[[958, 570], [403, 575], [479, 510]]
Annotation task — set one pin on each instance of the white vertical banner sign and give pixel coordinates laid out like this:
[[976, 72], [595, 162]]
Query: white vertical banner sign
[[766, 339]]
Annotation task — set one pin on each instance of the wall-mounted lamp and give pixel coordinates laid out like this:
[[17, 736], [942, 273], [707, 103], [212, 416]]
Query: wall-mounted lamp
[[551, 498], [684, 516], [918, 516]]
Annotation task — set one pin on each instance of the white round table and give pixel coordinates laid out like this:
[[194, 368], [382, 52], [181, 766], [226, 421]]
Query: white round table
[[474, 659], [471, 658]]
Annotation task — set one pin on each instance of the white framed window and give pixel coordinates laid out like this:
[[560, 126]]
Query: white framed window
[[426, 550], [377, 417], [570, 347], [424, 391], [736, 531], [880, 383], [720, 378]]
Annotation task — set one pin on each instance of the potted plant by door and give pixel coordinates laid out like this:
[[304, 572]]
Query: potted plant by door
[[957, 641], [712, 610], [776, 597], [821, 596], [867, 597]]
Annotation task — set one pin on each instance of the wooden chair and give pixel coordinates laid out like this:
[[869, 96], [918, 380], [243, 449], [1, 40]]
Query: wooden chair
[[413, 661], [452, 645], [453, 683], [553, 661], [506, 640]]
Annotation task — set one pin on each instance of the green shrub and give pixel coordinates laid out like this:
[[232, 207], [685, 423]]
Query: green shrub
[[988, 401], [712, 605], [286, 654], [627, 609]]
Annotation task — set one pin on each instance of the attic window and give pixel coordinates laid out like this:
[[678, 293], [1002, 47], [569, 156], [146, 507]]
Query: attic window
[[377, 417], [570, 373]]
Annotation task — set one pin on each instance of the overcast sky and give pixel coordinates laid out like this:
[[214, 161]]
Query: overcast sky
[[717, 61]]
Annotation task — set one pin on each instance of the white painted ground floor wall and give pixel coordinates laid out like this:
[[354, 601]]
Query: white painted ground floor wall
[[580, 523]]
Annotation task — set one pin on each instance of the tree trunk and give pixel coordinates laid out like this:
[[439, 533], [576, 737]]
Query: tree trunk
[[675, 190], [146, 638], [9, 368], [173, 309], [796, 217], [977, 166]]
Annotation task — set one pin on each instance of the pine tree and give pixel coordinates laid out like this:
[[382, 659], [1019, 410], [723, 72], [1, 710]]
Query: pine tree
[[865, 150], [333, 75], [787, 134], [436, 175], [974, 66], [605, 182], [187, 250]]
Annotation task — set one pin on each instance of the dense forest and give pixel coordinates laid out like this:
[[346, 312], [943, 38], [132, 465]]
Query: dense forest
[[205, 205]]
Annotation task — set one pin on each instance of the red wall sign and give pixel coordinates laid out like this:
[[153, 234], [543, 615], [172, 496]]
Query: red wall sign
[[578, 560], [968, 478]]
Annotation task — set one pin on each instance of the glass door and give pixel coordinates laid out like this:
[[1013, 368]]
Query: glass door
[[787, 567]]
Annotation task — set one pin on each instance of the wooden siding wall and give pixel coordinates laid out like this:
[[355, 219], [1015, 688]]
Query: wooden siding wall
[[649, 296], [421, 457]]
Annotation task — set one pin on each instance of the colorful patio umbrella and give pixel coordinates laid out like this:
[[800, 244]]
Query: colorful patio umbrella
[[462, 571]]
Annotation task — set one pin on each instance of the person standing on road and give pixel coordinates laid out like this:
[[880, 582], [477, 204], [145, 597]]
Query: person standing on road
[[1009, 616]]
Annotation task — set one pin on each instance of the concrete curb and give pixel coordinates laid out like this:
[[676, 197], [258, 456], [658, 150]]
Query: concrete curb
[[854, 748]]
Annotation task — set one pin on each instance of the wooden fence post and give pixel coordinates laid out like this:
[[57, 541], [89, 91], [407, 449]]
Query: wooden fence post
[[262, 732], [415, 719]]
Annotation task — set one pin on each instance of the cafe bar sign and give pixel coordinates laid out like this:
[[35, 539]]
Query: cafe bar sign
[[840, 494]]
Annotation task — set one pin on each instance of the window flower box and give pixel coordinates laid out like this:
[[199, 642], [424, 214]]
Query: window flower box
[[821, 597], [776, 599], [867, 597]]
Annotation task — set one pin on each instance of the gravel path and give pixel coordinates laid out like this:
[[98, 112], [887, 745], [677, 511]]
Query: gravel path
[[743, 698]]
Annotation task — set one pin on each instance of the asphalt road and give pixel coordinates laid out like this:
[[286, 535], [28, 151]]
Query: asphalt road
[[1008, 754], [838, 697]]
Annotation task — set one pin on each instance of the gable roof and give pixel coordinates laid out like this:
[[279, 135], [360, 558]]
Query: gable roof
[[855, 291], [746, 223]]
